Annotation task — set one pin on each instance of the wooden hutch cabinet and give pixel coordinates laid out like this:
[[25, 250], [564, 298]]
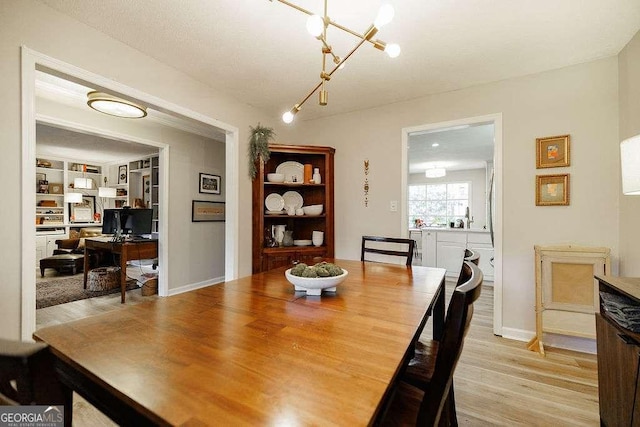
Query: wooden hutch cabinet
[[266, 258], [618, 354]]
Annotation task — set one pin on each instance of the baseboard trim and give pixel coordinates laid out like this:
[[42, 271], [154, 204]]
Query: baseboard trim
[[583, 345], [194, 286]]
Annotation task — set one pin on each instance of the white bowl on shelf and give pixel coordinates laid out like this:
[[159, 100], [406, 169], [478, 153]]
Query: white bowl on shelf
[[315, 285], [302, 242], [312, 209], [275, 177]]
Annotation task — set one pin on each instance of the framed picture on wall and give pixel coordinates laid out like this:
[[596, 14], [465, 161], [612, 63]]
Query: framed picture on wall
[[210, 184], [205, 211], [83, 212], [553, 152], [122, 174], [146, 190], [552, 190]]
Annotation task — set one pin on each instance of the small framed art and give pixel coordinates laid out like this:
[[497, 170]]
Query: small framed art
[[552, 190], [55, 188], [122, 174], [203, 211], [553, 152], [210, 184]]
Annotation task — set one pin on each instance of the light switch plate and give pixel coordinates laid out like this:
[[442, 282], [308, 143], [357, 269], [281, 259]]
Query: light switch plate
[[393, 206]]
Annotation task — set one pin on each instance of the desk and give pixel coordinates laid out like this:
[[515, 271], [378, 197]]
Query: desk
[[252, 351], [128, 250]]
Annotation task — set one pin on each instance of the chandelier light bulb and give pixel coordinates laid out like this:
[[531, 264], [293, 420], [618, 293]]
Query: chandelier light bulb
[[287, 117], [315, 25], [393, 50], [385, 15]]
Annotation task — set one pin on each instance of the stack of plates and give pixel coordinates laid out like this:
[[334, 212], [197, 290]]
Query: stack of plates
[[302, 242]]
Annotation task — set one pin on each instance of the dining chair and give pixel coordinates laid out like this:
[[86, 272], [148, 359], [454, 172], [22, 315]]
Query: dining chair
[[471, 256], [432, 367], [385, 241], [466, 272], [28, 377]]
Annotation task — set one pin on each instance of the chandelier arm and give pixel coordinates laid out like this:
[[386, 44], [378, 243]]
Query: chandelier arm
[[295, 6], [330, 22], [298, 105], [360, 43]]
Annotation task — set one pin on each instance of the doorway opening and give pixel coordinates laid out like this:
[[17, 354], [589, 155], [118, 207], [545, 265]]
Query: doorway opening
[[452, 177], [32, 62]]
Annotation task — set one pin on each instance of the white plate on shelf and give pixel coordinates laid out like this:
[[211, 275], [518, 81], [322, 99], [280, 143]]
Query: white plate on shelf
[[291, 169], [302, 243], [275, 212], [293, 198], [274, 202]]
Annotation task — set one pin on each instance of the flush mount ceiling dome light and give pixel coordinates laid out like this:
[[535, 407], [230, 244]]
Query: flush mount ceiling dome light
[[435, 172], [317, 26], [115, 106]]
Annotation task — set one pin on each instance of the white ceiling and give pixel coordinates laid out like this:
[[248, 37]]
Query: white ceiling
[[459, 148], [59, 142], [258, 51]]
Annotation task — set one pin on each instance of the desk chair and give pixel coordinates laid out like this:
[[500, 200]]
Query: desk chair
[[407, 254], [432, 367], [30, 367]]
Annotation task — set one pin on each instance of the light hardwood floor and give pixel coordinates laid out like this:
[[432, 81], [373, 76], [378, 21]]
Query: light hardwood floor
[[498, 382]]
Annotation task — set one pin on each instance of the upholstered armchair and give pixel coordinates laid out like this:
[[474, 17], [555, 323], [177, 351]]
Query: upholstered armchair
[[75, 243]]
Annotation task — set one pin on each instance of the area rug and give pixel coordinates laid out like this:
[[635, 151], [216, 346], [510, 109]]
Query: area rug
[[60, 291]]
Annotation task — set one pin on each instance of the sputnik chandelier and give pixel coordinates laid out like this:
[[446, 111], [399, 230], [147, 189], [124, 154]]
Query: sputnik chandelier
[[317, 27]]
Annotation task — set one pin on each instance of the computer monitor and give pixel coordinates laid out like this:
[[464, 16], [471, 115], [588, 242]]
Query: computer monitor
[[127, 221]]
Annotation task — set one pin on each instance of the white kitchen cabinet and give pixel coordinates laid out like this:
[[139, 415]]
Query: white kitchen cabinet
[[445, 249], [429, 248], [480, 243], [450, 251]]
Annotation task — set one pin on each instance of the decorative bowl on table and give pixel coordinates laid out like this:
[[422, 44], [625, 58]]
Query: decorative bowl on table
[[315, 285], [312, 209]]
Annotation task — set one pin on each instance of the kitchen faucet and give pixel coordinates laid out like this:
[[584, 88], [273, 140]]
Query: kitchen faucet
[[468, 218]]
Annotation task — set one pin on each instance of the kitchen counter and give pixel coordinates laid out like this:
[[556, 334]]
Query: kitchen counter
[[455, 230]]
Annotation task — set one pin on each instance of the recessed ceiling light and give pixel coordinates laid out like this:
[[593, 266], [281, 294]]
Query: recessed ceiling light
[[435, 144]]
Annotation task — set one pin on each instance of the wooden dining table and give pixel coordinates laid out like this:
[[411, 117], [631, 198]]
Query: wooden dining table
[[252, 351]]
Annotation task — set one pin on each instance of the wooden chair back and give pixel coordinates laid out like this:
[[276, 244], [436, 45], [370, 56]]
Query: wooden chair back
[[31, 368], [457, 323], [407, 254], [471, 256]]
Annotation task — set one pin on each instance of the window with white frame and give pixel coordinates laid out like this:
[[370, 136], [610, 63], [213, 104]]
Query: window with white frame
[[438, 204]]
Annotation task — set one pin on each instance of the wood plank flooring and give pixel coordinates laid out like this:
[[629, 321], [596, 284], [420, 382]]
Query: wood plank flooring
[[498, 382]]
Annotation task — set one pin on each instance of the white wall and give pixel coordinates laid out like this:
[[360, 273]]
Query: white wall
[[478, 180], [32, 24], [580, 100], [629, 87]]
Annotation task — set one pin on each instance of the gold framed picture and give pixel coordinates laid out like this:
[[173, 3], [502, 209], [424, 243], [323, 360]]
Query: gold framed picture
[[55, 188], [552, 190], [553, 151]]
